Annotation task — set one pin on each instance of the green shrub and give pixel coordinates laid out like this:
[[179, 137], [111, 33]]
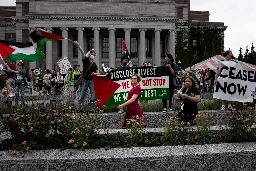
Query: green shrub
[[210, 105], [51, 126], [203, 121], [240, 120]]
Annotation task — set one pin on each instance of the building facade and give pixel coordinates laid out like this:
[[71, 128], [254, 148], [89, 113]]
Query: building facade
[[149, 28]]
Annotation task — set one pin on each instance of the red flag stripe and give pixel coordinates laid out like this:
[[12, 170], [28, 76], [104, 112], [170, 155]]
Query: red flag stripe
[[5, 51], [50, 35], [104, 89]]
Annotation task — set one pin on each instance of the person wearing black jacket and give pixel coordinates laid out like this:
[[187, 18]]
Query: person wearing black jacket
[[211, 77], [173, 71], [87, 82]]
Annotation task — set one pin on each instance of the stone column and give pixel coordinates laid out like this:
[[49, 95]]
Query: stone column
[[2, 33], [142, 48], [157, 47], [97, 45], [32, 65], [171, 42], [19, 35], [64, 42], [48, 57], [128, 38], [81, 42], [153, 50], [112, 47]]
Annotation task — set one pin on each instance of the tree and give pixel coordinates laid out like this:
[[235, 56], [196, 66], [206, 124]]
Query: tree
[[246, 58], [252, 55], [240, 56]]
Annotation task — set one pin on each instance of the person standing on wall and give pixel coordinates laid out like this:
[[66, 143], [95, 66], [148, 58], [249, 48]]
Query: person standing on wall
[[173, 71], [227, 57], [89, 69]]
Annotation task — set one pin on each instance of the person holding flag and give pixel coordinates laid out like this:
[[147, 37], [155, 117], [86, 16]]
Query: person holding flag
[[89, 69], [125, 54]]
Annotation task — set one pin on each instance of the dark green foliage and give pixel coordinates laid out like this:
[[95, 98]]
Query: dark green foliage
[[197, 44]]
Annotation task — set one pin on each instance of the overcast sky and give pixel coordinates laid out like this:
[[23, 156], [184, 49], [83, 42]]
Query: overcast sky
[[238, 15]]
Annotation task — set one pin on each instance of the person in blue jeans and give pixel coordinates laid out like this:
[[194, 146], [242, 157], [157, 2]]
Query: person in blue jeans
[[87, 82], [20, 82]]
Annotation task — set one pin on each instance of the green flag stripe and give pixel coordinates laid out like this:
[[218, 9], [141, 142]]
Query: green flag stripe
[[147, 94], [21, 56], [40, 44]]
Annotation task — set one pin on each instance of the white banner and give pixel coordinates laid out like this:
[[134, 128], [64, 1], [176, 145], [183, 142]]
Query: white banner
[[236, 82]]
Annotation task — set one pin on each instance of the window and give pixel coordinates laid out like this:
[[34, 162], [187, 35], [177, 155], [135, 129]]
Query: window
[[119, 42], [105, 47], [60, 48], [11, 38], [134, 47], [75, 48], [162, 46], [148, 47], [90, 43]]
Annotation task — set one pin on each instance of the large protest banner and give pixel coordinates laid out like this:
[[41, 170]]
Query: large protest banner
[[154, 83], [236, 82]]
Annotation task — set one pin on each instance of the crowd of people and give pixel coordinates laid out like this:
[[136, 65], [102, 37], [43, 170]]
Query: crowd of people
[[188, 84], [15, 80]]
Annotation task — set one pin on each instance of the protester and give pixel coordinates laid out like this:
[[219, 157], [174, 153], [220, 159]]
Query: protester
[[132, 106], [59, 81], [47, 81], [20, 82], [10, 77], [189, 96], [227, 57], [69, 82], [211, 77], [89, 69], [173, 71], [124, 62], [76, 75], [53, 81]]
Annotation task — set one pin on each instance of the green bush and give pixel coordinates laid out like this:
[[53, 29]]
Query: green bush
[[210, 105], [240, 120], [51, 126]]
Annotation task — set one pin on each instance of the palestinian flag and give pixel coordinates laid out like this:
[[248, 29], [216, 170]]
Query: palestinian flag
[[40, 34], [40, 37], [103, 94], [154, 83], [13, 51], [124, 48]]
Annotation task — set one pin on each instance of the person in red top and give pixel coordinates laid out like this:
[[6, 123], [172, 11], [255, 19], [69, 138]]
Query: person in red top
[[133, 109]]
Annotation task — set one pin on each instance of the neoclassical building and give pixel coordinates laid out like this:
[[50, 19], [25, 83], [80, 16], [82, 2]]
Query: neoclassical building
[[149, 28]]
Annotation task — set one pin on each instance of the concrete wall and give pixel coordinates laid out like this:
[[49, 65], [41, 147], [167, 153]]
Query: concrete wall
[[231, 157]]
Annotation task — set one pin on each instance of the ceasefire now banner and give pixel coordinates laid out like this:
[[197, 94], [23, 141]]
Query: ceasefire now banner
[[154, 83], [236, 82]]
